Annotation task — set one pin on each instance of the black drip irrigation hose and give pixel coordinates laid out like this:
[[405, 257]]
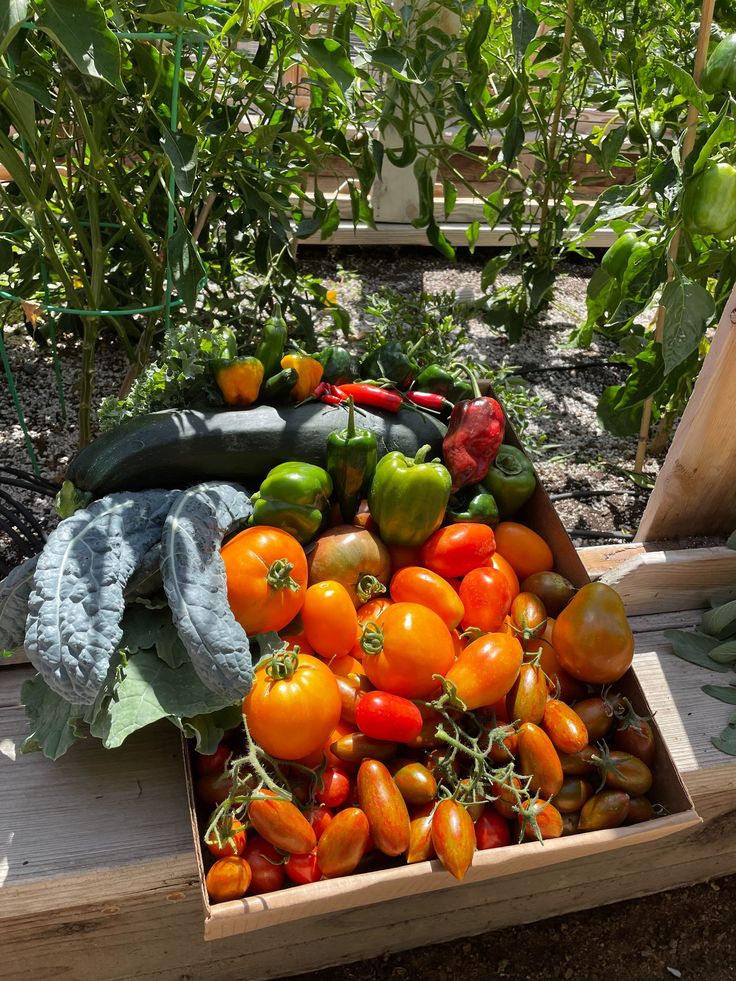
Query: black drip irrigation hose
[[584, 494], [584, 533], [528, 369]]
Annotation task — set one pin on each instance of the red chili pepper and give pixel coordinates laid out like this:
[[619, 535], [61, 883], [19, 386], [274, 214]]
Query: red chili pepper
[[329, 394], [373, 396], [428, 400], [474, 437]]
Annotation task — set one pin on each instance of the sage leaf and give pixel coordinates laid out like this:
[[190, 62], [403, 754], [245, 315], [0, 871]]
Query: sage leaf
[[724, 693], [14, 592], [720, 622], [724, 653], [76, 602], [195, 584], [726, 742], [695, 648]]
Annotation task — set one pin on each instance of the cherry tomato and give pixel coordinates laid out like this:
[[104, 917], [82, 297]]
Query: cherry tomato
[[456, 550], [403, 555], [356, 747], [266, 865], [597, 716], [416, 783], [293, 706], [491, 830], [329, 617], [553, 590], [234, 835], [282, 824], [335, 787], [427, 738], [344, 843], [486, 669], [592, 637], [606, 809], [302, 869], [539, 760], [319, 817], [486, 597], [228, 878], [497, 561], [413, 584], [212, 763], [420, 847], [412, 644], [640, 809], [263, 565], [347, 666], [524, 550], [383, 805], [579, 764], [544, 815], [528, 615], [572, 795], [564, 727], [636, 738], [628, 773], [453, 836], [373, 610], [385, 716], [527, 698]]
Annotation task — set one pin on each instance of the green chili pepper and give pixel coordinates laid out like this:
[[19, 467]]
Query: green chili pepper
[[294, 497], [278, 386], [270, 348], [408, 497], [390, 362], [352, 455], [435, 378], [511, 480], [475, 505], [339, 365]]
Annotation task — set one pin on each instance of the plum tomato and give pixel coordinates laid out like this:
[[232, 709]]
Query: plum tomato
[[636, 738], [329, 618], [413, 584], [606, 809], [281, 823], [381, 802], [553, 590], [354, 747], [373, 609], [539, 819], [420, 847], [486, 669], [497, 561], [626, 772], [524, 550], [417, 785], [597, 716], [344, 843], [486, 599], [229, 878], [564, 727], [573, 793], [319, 817], [527, 698], [453, 837], [491, 830], [385, 716], [455, 550], [538, 759], [528, 616], [640, 809], [592, 637]]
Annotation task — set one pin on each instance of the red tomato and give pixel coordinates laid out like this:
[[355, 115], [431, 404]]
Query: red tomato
[[229, 878], [266, 866], [234, 835], [455, 550], [416, 585], [329, 617], [497, 561], [384, 716], [335, 788], [453, 837], [486, 669], [213, 789], [491, 830], [302, 869], [412, 645], [293, 705], [208, 763], [383, 805], [319, 817], [262, 564], [525, 550], [486, 597], [373, 609], [403, 555], [344, 843], [547, 818]]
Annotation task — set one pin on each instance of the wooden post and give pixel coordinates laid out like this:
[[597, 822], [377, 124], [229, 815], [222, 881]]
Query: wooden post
[[694, 492], [701, 54]]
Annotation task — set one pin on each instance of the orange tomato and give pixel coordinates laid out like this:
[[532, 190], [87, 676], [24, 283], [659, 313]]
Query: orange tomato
[[564, 727], [329, 617], [538, 759], [525, 550], [298, 640], [262, 565], [500, 563], [293, 706], [281, 823], [413, 584], [228, 878], [346, 665], [234, 835], [592, 636], [486, 669], [411, 645]]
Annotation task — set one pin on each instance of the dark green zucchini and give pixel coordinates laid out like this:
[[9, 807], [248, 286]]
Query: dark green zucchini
[[177, 448]]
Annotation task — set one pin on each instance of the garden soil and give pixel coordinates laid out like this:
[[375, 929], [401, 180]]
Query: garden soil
[[687, 933]]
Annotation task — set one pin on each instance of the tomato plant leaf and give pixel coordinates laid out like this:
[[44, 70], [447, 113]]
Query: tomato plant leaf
[[724, 693], [589, 41], [181, 149], [187, 268], [689, 309], [695, 647], [12, 15], [80, 28]]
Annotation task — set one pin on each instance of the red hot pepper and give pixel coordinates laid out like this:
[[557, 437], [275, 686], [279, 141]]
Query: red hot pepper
[[428, 400], [372, 396], [474, 437]]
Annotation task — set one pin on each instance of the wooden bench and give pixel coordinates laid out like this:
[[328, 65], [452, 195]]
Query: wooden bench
[[97, 870]]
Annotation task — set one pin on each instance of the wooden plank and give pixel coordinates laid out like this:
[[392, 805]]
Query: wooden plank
[[400, 234], [701, 462]]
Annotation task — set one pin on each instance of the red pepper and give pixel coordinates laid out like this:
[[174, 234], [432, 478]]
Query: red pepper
[[474, 437], [372, 396], [329, 394], [428, 400]]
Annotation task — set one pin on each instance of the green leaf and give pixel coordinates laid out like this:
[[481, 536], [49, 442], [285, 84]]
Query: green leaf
[[591, 47], [685, 84], [611, 145], [726, 742], [724, 131], [720, 622], [12, 15], [21, 108], [331, 221], [731, 543], [439, 240], [181, 149], [146, 628], [616, 419], [148, 691], [187, 269], [513, 141], [450, 196], [724, 693], [477, 35], [490, 271], [329, 55], [395, 62], [689, 309], [695, 648], [208, 730], [523, 28], [53, 722], [80, 27], [471, 234]]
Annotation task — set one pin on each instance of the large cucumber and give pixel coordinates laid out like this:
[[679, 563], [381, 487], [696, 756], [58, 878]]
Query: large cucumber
[[176, 448]]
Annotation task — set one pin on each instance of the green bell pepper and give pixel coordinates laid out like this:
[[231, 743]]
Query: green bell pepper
[[709, 201], [339, 365], [475, 505], [719, 74], [511, 480], [408, 497], [294, 497], [270, 349], [352, 455], [390, 362]]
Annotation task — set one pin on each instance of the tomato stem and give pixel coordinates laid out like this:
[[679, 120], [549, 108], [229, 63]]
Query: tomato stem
[[372, 638], [279, 576], [282, 666], [368, 586]]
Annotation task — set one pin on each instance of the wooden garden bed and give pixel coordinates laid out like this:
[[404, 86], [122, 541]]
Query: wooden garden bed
[[99, 872]]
